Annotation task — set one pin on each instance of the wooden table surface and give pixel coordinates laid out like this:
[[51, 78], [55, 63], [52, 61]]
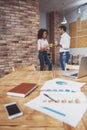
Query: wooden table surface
[[31, 119]]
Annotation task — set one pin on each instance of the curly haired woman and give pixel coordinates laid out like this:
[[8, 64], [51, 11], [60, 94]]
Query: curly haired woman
[[43, 46]]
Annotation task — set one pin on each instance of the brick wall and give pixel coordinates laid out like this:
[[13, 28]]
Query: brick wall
[[19, 23]]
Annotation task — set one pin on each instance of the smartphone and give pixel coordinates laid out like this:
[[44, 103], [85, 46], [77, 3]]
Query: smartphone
[[13, 110]]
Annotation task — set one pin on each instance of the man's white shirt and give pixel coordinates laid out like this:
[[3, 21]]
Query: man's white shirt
[[65, 42]]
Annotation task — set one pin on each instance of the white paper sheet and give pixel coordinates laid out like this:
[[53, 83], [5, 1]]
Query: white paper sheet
[[69, 107], [62, 85]]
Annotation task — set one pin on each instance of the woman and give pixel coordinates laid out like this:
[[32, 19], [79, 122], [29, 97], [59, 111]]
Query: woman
[[43, 46]]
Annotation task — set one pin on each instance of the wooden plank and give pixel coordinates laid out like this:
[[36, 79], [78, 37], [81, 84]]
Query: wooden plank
[[72, 29], [73, 43], [82, 33], [78, 24], [82, 42], [84, 24]]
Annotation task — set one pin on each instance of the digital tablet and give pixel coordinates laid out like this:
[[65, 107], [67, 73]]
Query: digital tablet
[[13, 110]]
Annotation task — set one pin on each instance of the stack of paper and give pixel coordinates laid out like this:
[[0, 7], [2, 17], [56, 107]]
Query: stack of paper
[[61, 99]]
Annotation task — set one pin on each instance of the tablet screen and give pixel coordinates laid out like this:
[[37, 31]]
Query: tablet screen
[[13, 109]]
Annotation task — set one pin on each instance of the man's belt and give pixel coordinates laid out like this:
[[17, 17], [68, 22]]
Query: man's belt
[[64, 52]]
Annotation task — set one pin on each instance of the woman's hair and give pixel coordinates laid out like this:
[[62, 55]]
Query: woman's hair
[[40, 33]]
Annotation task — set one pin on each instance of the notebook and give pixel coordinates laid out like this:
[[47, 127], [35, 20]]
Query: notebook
[[82, 69], [22, 90]]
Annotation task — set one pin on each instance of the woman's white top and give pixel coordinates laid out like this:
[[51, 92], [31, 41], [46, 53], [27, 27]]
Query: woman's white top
[[42, 43]]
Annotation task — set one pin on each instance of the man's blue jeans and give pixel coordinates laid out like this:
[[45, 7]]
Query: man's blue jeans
[[43, 58], [64, 58]]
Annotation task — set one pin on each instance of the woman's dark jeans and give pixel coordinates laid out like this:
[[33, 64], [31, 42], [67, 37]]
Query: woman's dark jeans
[[43, 58]]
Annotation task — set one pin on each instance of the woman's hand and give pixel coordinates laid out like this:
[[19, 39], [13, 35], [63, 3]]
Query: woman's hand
[[47, 47], [44, 48]]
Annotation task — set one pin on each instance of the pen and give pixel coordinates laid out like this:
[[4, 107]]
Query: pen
[[49, 97]]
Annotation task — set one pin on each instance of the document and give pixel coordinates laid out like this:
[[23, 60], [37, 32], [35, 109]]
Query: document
[[62, 85], [66, 107]]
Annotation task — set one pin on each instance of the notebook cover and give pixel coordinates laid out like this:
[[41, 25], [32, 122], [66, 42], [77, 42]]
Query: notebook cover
[[22, 89]]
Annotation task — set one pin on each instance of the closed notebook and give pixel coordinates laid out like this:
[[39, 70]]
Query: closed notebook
[[22, 89]]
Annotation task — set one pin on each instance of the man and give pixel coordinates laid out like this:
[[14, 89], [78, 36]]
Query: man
[[64, 47]]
